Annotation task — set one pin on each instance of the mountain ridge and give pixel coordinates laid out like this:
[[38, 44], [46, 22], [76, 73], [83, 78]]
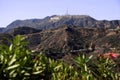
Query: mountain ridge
[[54, 21]]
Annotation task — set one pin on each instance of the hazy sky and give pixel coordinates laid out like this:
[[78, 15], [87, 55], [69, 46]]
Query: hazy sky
[[11, 10]]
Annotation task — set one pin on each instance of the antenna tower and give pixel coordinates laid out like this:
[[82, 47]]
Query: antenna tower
[[67, 12]]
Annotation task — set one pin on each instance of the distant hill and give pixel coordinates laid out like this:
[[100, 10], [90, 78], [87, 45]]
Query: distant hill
[[2, 29], [24, 30], [51, 22]]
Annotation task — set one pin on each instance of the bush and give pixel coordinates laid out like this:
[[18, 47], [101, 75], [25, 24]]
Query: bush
[[16, 61]]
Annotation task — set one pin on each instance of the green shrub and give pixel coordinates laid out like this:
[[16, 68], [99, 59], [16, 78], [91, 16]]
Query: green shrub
[[102, 69], [16, 61], [82, 62]]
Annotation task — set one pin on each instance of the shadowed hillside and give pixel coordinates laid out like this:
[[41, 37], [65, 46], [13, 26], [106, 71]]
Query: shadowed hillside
[[69, 38]]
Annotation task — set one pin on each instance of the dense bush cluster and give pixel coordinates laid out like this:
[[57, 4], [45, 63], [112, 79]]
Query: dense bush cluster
[[19, 63]]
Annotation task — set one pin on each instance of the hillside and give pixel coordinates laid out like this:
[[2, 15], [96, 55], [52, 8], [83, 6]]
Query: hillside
[[66, 39], [51, 22]]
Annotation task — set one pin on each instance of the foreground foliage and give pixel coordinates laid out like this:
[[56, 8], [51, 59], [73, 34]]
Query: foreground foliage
[[19, 63]]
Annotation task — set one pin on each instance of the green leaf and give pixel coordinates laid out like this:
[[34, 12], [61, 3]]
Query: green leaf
[[37, 72], [91, 57], [12, 73], [13, 66], [58, 67], [12, 60], [27, 74], [10, 48]]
